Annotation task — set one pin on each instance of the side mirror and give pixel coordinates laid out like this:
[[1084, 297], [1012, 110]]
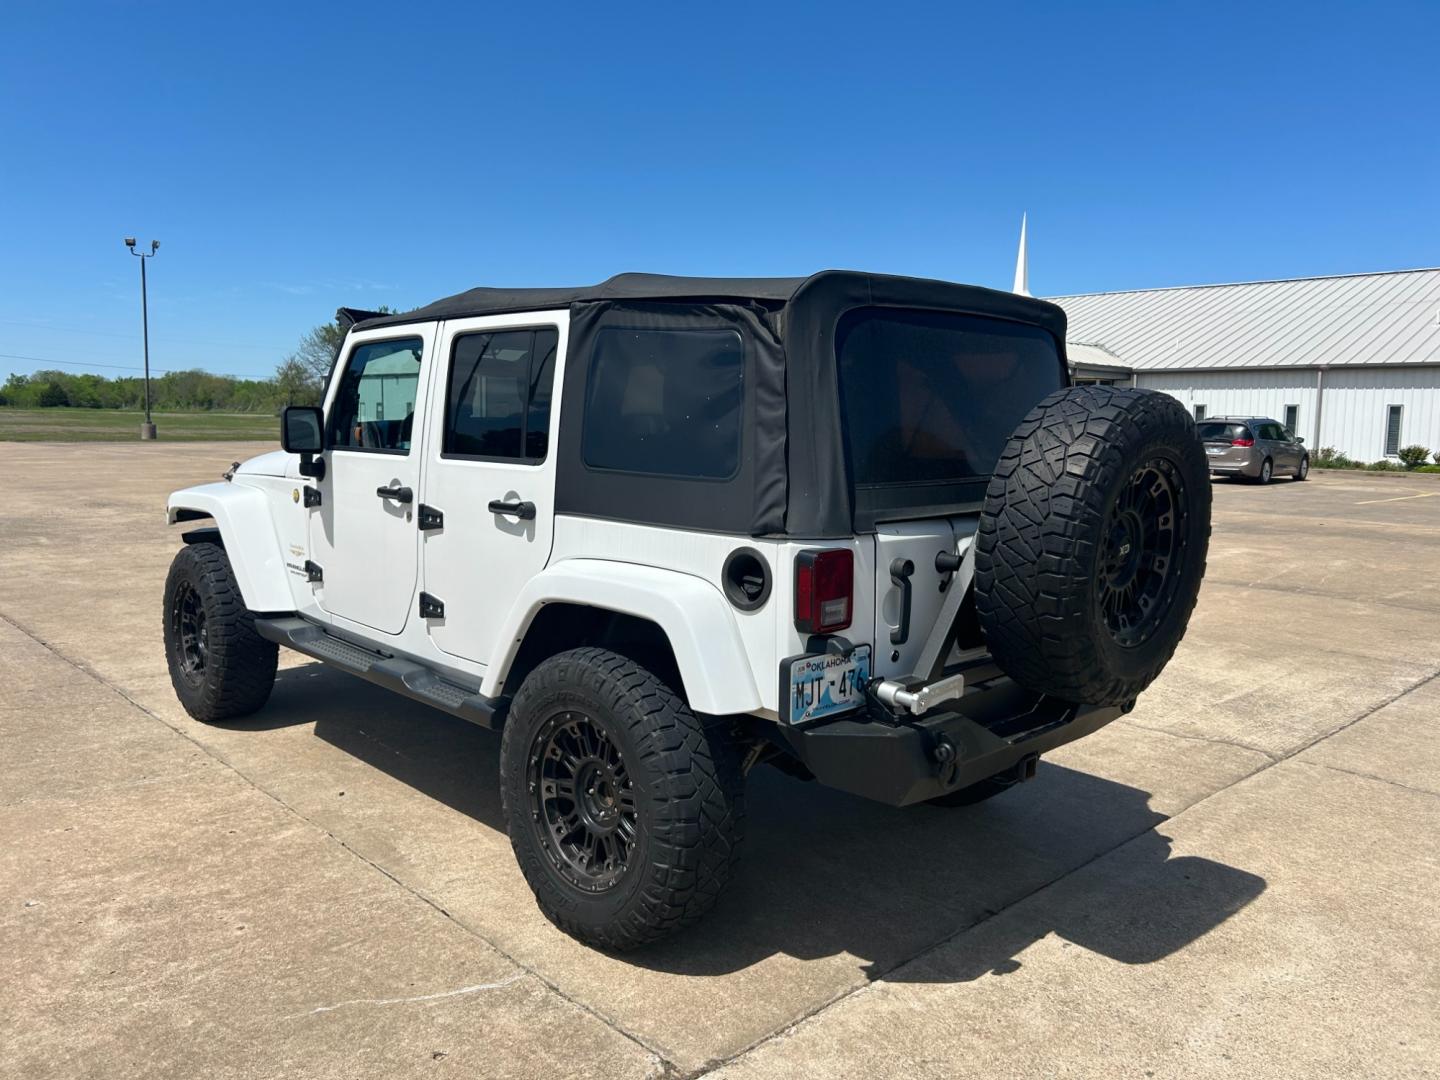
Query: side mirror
[[1299, 439], [302, 431]]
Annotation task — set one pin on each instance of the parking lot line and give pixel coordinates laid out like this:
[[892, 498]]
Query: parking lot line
[[1399, 498]]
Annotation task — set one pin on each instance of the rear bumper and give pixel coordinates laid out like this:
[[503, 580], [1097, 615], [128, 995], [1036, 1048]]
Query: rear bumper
[[1249, 467], [904, 761]]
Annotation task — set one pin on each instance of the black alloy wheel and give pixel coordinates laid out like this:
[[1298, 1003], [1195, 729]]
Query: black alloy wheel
[[582, 801], [187, 618], [1137, 570]]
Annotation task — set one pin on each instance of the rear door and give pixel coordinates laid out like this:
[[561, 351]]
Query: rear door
[[362, 535], [489, 493]]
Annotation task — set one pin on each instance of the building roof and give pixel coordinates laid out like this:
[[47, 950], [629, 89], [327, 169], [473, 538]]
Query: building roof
[[1353, 319], [1091, 356]]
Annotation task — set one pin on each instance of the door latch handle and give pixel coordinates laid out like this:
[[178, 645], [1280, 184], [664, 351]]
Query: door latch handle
[[396, 492], [900, 571], [525, 511]]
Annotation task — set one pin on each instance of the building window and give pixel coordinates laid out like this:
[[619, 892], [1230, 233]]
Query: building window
[[1292, 418], [1199, 413], [1392, 431]]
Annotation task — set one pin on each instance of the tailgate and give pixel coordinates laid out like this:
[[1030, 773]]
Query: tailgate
[[913, 545], [1223, 452]]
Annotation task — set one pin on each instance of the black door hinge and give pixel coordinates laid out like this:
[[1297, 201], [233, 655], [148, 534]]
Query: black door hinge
[[431, 607], [313, 571], [312, 496], [430, 518]]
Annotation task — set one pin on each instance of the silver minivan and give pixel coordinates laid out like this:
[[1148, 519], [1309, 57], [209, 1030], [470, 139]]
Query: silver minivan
[[1254, 447]]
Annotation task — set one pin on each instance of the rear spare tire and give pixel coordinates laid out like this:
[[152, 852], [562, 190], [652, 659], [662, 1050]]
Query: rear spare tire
[[1092, 543]]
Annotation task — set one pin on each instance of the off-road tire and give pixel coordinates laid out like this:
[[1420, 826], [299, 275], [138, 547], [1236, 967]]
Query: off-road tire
[[238, 669], [1049, 528], [688, 799]]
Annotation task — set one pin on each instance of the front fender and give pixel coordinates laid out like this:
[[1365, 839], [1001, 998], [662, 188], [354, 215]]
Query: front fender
[[242, 515], [694, 615]]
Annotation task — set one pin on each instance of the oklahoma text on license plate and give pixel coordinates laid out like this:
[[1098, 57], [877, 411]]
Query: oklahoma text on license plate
[[823, 686]]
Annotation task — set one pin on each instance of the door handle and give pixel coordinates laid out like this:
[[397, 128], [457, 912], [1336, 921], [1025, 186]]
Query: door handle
[[525, 511], [398, 493], [900, 571]]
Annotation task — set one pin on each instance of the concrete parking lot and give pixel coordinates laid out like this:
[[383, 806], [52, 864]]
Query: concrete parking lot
[[1239, 879]]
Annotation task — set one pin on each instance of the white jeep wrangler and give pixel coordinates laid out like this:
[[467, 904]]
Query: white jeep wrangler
[[661, 530]]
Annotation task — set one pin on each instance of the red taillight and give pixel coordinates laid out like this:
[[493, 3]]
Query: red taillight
[[1242, 442], [824, 590]]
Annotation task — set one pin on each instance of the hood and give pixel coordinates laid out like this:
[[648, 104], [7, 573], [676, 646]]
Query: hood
[[275, 463]]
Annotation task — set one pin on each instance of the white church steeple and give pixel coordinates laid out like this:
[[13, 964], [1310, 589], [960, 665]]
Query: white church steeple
[[1022, 265]]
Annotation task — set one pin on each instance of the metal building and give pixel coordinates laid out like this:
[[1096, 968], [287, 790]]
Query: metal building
[[1350, 362]]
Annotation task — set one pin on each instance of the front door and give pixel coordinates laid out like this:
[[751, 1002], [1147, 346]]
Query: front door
[[363, 534], [490, 472]]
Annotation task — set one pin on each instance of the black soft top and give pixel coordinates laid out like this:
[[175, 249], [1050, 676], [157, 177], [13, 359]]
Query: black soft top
[[772, 292], [793, 477]]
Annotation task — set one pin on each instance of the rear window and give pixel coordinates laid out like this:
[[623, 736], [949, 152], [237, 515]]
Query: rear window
[[1218, 432], [931, 397]]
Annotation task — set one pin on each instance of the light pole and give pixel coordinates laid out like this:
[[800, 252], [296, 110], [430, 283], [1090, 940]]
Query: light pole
[[147, 429]]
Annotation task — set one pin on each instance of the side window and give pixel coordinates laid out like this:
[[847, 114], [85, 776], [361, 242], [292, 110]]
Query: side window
[[497, 400], [375, 403], [1392, 430], [665, 402]]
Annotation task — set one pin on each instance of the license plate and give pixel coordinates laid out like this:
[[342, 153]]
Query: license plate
[[1214, 449], [818, 687]]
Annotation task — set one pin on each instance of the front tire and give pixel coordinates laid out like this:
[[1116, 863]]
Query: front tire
[[220, 667], [625, 810], [1303, 472]]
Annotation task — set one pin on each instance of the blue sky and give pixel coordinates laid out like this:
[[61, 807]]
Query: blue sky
[[293, 159]]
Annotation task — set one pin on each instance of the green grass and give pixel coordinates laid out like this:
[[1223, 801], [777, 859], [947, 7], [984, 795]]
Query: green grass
[[114, 425]]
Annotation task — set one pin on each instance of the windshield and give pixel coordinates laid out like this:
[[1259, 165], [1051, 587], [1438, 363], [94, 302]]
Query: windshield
[[930, 398]]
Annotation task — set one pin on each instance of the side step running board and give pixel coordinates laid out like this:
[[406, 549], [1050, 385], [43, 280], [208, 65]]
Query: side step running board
[[407, 677]]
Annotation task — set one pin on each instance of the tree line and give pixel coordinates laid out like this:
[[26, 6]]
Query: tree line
[[299, 379]]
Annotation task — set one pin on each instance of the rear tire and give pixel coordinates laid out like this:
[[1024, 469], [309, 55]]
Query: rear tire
[[1092, 544], [220, 667], [625, 810], [1267, 470]]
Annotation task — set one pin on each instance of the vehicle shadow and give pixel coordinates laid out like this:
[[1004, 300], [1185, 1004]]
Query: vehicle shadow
[[824, 873]]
